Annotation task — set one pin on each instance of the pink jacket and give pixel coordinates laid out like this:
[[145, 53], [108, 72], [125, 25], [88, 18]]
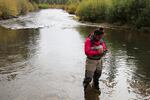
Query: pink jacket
[[89, 51]]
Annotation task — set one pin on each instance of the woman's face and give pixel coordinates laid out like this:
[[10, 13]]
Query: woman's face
[[98, 37]]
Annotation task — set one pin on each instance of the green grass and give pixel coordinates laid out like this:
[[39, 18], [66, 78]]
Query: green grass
[[43, 6]]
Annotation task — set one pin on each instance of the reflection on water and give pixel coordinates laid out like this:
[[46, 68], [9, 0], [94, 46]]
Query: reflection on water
[[91, 93], [48, 63], [16, 47]]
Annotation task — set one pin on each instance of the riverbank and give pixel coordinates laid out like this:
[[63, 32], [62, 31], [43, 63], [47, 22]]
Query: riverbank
[[116, 26], [133, 14]]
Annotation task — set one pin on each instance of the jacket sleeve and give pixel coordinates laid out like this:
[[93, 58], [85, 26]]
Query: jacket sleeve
[[88, 50]]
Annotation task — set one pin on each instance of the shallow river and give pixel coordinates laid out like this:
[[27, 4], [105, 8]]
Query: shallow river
[[42, 58]]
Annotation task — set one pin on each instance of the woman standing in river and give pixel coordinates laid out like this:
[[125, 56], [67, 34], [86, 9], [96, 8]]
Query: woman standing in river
[[95, 48]]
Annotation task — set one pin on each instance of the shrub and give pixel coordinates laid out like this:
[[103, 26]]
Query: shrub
[[35, 6], [23, 7], [30, 7], [6, 10], [43, 6], [72, 6], [1, 13], [143, 19], [12, 8], [92, 10], [118, 11]]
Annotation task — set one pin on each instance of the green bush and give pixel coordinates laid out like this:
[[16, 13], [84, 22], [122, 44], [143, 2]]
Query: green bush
[[121, 11], [72, 6], [91, 10], [43, 6], [35, 6], [30, 7], [23, 7], [140, 13], [133, 12]]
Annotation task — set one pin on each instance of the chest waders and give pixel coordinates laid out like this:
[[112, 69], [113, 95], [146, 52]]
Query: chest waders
[[93, 71]]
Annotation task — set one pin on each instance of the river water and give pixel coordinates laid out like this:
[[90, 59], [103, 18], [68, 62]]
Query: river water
[[42, 58]]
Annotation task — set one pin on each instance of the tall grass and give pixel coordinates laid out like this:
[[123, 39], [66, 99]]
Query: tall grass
[[23, 6], [8, 8], [141, 17], [13, 8], [58, 6], [134, 12], [43, 5], [92, 10], [72, 6]]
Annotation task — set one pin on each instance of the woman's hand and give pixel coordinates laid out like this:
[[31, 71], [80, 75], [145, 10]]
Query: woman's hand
[[100, 50]]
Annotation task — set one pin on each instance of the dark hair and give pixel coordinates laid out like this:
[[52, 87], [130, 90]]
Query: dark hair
[[98, 32], [101, 29]]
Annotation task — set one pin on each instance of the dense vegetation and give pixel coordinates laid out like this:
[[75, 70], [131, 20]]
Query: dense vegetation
[[51, 1], [69, 5], [13, 8], [133, 12], [72, 6]]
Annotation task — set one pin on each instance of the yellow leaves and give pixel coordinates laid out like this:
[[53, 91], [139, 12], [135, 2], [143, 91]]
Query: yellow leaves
[[12, 8], [8, 8], [0, 13], [23, 6], [72, 8], [30, 6]]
